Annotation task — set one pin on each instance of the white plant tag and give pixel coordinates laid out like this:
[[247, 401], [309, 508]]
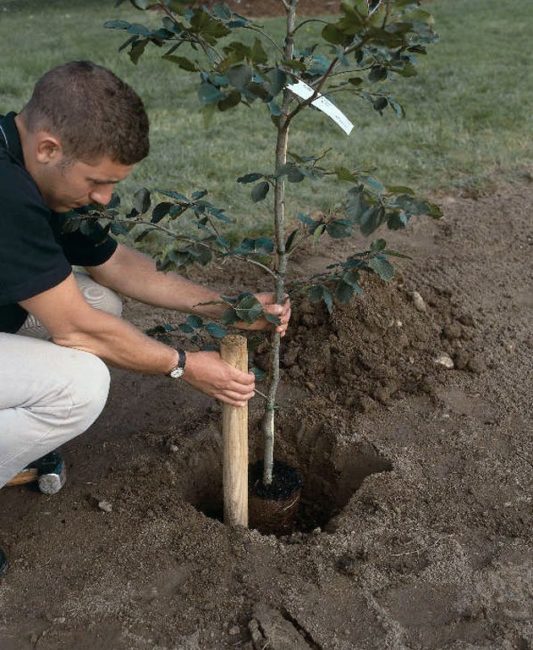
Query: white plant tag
[[304, 92]]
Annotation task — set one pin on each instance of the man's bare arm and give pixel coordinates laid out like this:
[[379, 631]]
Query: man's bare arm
[[74, 323], [135, 275]]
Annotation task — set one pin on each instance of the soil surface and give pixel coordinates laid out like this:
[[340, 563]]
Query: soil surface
[[415, 525]]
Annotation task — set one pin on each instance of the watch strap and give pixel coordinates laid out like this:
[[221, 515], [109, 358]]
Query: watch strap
[[182, 360]]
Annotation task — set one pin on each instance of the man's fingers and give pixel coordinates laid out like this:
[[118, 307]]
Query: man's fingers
[[238, 377], [235, 398]]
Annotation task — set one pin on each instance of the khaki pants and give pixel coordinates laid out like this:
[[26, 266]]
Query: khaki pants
[[48, 393]]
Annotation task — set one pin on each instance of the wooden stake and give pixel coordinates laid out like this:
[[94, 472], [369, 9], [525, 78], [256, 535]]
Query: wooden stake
[[235, 431]]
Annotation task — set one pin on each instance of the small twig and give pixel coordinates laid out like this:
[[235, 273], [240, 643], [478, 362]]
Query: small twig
[[310, 20], [205, 46], [266, 35], [256, 263]]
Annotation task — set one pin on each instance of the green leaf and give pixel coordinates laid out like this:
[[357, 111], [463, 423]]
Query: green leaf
[[295, 175], [275, 110], [260, 191], [373, 183], [248, 308], [344, 174], [318, 232], [380, 104], [377, 73], [118, 229], [332, 34], [319, 292], [275, 320], [183, 62], [339, 228], [250, 178], [140, 4], [277, 79], [356, 81], [378, 245], [397, 107], [382, 267], [394, 253], [160, 211], [194, 321], [258, 53], [305, 219], [343, 292], [371, 219], [290, 240], [259, 246], [400, 189], [433, 210], [138, 30], [141, 200], [239, 76], [230, 100], [114, 203], [116, 24], [137, 50], [259, 374], [209, 94], [351, 277], [218, 331]]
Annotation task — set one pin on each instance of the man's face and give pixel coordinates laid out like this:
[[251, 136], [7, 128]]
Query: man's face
[[69, 185]]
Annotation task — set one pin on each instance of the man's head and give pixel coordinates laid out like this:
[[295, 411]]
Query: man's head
[[82, 131]]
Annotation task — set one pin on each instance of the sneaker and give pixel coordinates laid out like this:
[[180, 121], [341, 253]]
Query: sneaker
[[3, 563]]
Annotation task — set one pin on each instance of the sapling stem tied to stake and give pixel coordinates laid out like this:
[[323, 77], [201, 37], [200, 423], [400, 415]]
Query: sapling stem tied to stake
[[237, 61]]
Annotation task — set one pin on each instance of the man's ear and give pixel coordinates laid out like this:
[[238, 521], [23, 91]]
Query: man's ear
[[48, 148]]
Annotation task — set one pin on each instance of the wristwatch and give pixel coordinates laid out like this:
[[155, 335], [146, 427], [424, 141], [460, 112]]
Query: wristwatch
[[179, 369]]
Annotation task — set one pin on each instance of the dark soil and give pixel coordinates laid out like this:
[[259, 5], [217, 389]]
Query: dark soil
[[285, 480], [415, 525]]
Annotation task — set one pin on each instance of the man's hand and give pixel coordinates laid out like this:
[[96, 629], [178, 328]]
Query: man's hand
[[208, 373], [283, 312]]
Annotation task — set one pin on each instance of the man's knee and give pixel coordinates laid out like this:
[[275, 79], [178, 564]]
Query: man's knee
[[98, 296], [88, 389]]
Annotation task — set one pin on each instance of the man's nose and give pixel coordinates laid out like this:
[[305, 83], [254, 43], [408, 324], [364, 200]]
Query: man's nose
[[101, 195]]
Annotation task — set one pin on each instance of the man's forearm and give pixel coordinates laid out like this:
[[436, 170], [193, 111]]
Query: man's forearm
[[119, 344], [133, 274]]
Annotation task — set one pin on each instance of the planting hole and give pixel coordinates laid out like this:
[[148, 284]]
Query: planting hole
[[332, 472]]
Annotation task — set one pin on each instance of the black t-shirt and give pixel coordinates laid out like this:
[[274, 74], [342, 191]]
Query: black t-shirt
[[35, 255]]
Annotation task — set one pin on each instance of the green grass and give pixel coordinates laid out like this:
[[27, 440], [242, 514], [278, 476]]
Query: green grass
[[468, 112]]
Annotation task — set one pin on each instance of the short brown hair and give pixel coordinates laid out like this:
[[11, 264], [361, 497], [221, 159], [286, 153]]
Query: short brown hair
[[92, 111]]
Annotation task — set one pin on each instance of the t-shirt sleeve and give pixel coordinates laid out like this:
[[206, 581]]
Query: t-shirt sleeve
[[31, 260], [88, 250]]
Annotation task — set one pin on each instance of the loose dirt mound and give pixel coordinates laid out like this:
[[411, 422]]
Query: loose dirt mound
[[379, 347]]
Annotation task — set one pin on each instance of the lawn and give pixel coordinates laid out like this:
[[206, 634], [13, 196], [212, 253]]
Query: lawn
[[468, 110]]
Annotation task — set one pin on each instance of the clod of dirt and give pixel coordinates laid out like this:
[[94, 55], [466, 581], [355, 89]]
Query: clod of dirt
[[476, 365], [445, 360], [418, 301], [452, 331], [270, 629]]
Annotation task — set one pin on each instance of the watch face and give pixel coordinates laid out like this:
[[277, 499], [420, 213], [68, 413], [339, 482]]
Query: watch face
[[176, 373]]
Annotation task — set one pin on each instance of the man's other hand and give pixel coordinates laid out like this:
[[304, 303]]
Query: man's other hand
[[283, 312], [208, 373]]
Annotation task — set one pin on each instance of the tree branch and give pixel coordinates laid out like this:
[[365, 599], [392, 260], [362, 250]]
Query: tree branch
[[310, 20]]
